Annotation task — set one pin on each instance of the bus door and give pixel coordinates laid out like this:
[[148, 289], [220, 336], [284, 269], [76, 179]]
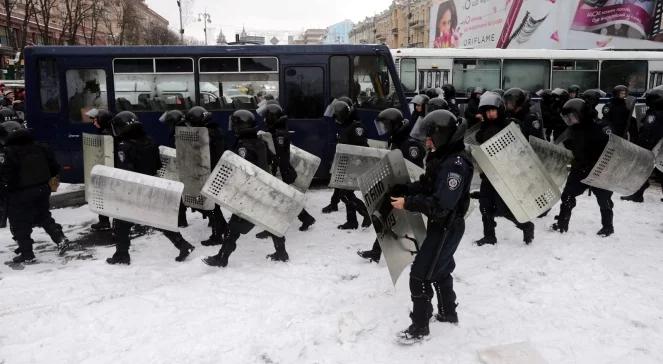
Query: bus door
[[304, 102], [85, 87]]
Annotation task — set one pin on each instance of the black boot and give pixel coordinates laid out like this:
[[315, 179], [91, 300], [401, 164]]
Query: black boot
[[103, 224], [363, 211], [562, 224], [263, 234], [638, 196], [606, 221], [349, 225], [55, 232], [185, 250], [489, 224], [280, 255], [422, 310], [330, 208], [528, 232], [306, 219], [119, 258], [446, 301], [24, 257], [372, 255], [220, 259], [215, 239], [181, 217]]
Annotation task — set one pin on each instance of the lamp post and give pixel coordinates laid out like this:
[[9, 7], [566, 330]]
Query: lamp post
[[179, 5], [205, 18]]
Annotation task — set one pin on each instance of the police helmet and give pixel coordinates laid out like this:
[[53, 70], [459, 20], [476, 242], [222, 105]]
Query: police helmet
[[342, 112], [592, 97], [8, 128], [574, 91], [442, 127], [274, 116], [573, 111], [560, 94], [389, 121], [437, 104], [654, 98], [242, 120], [172, 118], [198, 116], [449, 91], [477, 91], [122, 121], [346, 99], [498, 91], [420, 100], [432, 93], [617, 91], [490, 100], [7, 114], [514, 99]]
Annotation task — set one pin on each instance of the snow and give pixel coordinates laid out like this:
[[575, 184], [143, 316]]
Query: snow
[[575, 298]]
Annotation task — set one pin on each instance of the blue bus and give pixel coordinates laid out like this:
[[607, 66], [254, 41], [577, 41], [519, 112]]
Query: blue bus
[[64, 82]]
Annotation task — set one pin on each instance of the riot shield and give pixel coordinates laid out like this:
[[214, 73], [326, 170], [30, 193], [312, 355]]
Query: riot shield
[[135, 197], [168, 163], [517, 174], [304, 163], [560, 139], [193, 165], [471, 134], [555, 159], [399, 232], [623, 167], [97, 150], [658, 153], [253, 194]]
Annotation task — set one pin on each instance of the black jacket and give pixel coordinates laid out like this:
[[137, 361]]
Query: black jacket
[[25, 163], [528, 122], [651, 130], [353, 134], [618, 116], [138, 153], [587, 142], [253, 149], [281, 158], [412, 149]]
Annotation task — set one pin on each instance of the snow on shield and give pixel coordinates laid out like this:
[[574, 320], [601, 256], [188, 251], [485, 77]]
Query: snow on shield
[[253, 194], [134, 197], [193, 164], [97, 150]]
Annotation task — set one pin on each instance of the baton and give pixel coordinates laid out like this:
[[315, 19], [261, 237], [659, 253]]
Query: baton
[[431, 270]]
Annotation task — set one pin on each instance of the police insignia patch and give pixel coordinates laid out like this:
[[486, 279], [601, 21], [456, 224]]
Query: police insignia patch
[[453, 181], [414, 152], [607, 130], [280, 140], [242, 152], [121, 156], [536, 124], [606, 110], [2, 158], [359, 131]]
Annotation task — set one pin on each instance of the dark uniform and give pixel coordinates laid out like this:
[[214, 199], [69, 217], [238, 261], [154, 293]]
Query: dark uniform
[[472, 107], [547, 110], [617, 112], [101, 120], [137, 153], [442, 194], [556, 125], [420, 103], [588, 138], [450, 97], [25, 170], [250, 147], [172, 119], [518, 111], [490, 202]]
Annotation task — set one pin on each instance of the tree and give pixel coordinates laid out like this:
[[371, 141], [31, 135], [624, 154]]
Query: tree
[[8, 7], [43, 13], [160, 35]]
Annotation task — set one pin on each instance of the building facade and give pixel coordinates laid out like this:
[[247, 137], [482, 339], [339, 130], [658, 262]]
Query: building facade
[[339, 33], [403, 24]]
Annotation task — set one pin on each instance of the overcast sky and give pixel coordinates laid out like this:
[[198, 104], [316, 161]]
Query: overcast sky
[[291, 15]]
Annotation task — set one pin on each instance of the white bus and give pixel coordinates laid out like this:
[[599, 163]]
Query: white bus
[[529, 69]]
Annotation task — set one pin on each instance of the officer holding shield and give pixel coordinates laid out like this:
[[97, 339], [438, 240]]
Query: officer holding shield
[[101, 120]]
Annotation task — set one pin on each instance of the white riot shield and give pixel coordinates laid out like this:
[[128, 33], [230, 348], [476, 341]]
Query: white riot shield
[[168, 163], [658, 153], [517, 174], [253, 194], [135, 197], [623, 167], [304, 163], [97, 150], [193, 165], [471, 134], [555, 159], [399, 232]]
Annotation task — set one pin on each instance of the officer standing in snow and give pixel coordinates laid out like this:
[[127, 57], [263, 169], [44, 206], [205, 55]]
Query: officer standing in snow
[[352, 133], [250, 147], [650, 134], [172, 119], [392, 123], [491, 204], [518, 109], [617, 113], [26, 168], [137, 153], [588, 138], [442, 194], [101, 120]]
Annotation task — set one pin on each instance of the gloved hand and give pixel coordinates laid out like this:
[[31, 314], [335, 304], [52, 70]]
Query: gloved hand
[[398, 191]]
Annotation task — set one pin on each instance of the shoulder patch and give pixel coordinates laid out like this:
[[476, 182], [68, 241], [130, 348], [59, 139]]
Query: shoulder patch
[[242, 152], [607, 130], [651, 119], [359, 131], [536, 124], [414, 152], [453, 181], [606, 109], [459, 161], [121, 156], [280, 140], [2, 158]]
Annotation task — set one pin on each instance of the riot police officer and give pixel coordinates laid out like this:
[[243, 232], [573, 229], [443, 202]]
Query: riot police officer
[[101, 120], [449, 94], [419, 102], [442, 194], [574, 91], [172, 119], [392, 123], [351, 132], [557, 126], [26, 168], [472, 114], [437, 104], [491, 204], [546, 107], [137, 153], [588, 138], [518, 108], [650, 134], [617, 112], [250, 147]]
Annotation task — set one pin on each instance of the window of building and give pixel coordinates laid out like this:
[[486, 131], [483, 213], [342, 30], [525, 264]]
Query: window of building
[[632, 74], [408, 74], [373, 87], [528, 74], [471, 73], [154, 84], [655, 79], [339, 76], [237, 82], [569, 72], [86, 89], [49, 85], [304, 87], [4, 39]]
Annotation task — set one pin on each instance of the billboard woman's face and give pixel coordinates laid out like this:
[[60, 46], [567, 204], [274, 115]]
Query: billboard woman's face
[[444, 25]]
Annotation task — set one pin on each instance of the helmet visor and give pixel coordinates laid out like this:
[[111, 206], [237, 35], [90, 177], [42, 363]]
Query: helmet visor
[[381, 127], [163, 116], [419, 130]]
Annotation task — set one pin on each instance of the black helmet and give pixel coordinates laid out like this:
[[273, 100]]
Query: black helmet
[[498, 91], [560, 94], [477, 91], [442, 127], [449, 91], [616, 92], [121, 122], [546, 95], [420, 100], [241, 121], [198, 116], [654, 98], [172, 118], [8, 128], [7, 114], [389, 121], [104, 118], [342, 112], [514, 99], [430, 92], [592, 97], [491, 100], [437, 104], [274, 116], [574, 89], [573, 111], [345, 99]]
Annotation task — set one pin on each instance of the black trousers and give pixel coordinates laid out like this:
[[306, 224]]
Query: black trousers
[[491, 205], [352, 205], [28, 208], [238, 227], [121, 230], [574, 188]]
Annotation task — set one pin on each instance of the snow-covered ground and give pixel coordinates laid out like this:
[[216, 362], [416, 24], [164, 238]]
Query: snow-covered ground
[[574, 298]]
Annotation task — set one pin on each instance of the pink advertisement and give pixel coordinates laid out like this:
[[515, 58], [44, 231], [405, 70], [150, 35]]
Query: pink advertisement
[[626, 18]]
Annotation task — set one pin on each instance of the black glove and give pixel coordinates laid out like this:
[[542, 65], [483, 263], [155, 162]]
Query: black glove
[[398, 191]]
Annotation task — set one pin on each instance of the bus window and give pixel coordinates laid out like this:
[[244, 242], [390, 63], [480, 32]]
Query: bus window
[[408, 74], [632, 74], [86, 89], [569, 72], [372, 86], [49, 86], [471, 73], [655, 79], [153, 84], [304, 87], [528, 74], [237, 83], [339, 76]]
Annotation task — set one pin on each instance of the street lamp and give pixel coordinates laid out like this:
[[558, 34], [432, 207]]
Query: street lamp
[[205, 18], [179, 5]]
